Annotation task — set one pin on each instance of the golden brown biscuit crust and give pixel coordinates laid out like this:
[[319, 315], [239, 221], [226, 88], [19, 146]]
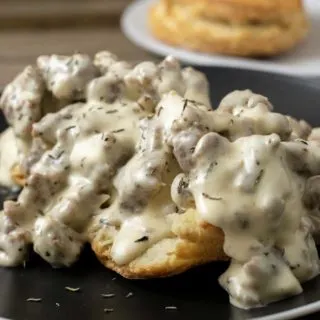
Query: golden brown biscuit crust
[[242, 11], [192, 243], [235, 27], [17, 175]]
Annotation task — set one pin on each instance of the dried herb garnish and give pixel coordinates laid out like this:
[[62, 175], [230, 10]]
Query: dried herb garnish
[[144, 238], [303, 141], [34, 300], [141, 106], [184, 105], [111, 111], [205, 195], [67, 117], [117, 131], [69, 128], [58, 155], [171, 308], [210, 168], [107, 295], [159, 111], [259, 176], [72, 289]]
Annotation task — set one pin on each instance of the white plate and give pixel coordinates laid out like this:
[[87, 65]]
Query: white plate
[[302, 61]]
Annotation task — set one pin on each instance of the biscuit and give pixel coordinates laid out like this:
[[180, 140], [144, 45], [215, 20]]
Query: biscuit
[[193, 242], [233, 27]]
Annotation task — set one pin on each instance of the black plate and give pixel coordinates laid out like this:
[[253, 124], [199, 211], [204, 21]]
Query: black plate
[[196, 294]]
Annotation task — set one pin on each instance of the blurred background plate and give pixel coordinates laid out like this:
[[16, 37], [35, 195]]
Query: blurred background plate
[[196, 293], [304, 60]]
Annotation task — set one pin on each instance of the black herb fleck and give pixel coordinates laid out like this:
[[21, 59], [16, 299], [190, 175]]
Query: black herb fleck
[[259, 176], [48, 254], [159, 111], [67, 117], [144, 238], [304, 142], [117, 131], [205, 195], [210, 168], [111, 111], [184, 105], [58, 155], [69, 128]]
